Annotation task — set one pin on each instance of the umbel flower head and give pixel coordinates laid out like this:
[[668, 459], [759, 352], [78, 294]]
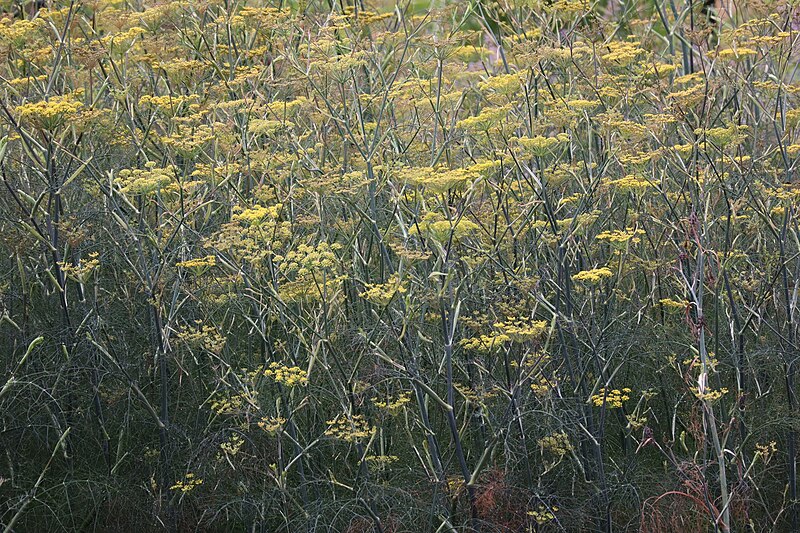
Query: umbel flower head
[[289, 376], [187, 484], [612, 399], [383, 293], [52, 113], [144, 181], [593, 276], [522, 329], [438, 228], [540, 145], [349, 429]]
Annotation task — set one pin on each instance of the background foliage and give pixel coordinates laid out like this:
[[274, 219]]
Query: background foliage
[[509, 265]]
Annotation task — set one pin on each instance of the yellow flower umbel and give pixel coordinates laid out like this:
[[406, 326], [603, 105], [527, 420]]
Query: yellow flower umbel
[[308, 259], [556, 444], [737, 53], [52, 113], [439, 180], [613, 400], [540, 145], [489, 119], [272, 425], [253, 234], [310, 271], [522, 329], [199, 265], [542, 386], [506, 84], [485, 343], [711, 395], [233, 445], [393, 407], [593, 276], [731, 135], [629, 183], [621, 53], [19, 32], [203, 336], [189, 143], [188, 483], [265, 127], [766, 451], [233, 404], [169, 104], [82, 271], [349, 429], [380, 462], [145, 181], [469, 53], [440, 229], [256, 214], [568, 9], [674, 305], [289, 376], [543, 515], [617, 237], [382, 293]]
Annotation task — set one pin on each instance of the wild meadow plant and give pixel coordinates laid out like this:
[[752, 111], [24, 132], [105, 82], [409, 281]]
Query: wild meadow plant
[[480, 265]]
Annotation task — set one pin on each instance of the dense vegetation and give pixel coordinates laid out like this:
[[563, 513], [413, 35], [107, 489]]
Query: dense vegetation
[[480, 265]]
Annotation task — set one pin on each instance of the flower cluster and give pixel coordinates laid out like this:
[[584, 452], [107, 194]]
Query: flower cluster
[[674, 305], [732, 134], [522, 329], [272, 425], [198, 264], [381, 461], [189, 143], [255, 215], [620, 236], [490, 118], [542, 386], [436, 227], [234, 403], [52, 113], [766, 451], [439, 180], [83, 270], [556, 444], [540, 145], [474, 394], [612, 399], [543, 515], [232, 445], [349, 428], [253, 234], [144, 181], [710, 395], [383, 293], [309, 260], [394, 406], [289, 376], [203, 336], [628, 183], [187, 484], [485, 343], [593, 276]]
